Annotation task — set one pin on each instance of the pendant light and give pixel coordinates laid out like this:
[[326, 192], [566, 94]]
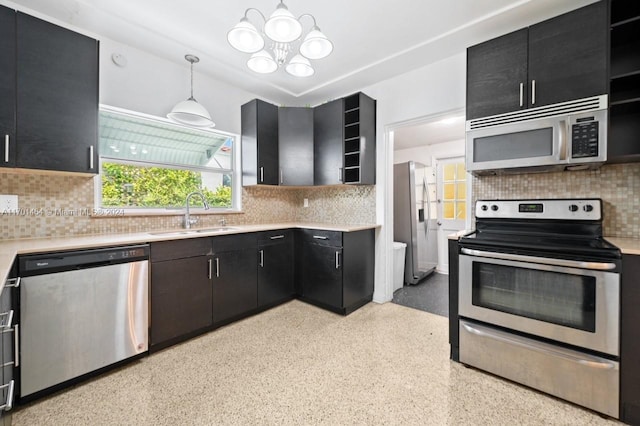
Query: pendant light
[[190, 112]]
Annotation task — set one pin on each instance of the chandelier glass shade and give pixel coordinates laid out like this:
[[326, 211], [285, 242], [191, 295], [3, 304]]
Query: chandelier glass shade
[[284, 36]]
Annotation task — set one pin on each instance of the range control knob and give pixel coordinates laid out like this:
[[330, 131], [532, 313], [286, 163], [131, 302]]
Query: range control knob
[[494, 208], [573, 208], [588, 208], [484, 208]]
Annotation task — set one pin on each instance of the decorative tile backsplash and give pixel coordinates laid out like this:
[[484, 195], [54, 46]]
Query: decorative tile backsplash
[[58, 205], [618, 185]]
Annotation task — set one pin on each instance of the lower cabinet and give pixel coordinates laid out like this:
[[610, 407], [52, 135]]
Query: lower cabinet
[[8, 330], [234, 277], [275, 267], [335, 270], [629, 341]]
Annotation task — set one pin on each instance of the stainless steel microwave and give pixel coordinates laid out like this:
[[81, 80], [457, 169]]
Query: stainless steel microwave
[[564, 136]]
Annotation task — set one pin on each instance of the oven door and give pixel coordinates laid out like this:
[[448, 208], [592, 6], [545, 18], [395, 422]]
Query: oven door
[[572, 302]]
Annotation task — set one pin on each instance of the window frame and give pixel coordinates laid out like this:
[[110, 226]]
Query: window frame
[[235, 172]]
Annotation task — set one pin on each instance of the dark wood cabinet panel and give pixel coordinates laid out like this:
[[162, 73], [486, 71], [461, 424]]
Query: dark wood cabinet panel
[[358, 268], [454, 330], [321, 274], [181, 297], [629, 341], [7, 87], [328, 139], [57, 97], [568, 56], [275, 268], [235, 288], [496, 69], [295, 146], [259, 143]]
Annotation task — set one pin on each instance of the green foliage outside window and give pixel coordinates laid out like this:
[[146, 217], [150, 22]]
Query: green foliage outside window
[[135, 186]]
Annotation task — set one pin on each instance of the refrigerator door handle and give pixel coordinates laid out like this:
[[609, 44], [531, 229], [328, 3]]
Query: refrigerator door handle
[[425, 188]]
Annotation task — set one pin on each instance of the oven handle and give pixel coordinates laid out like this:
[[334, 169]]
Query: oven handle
[[584, 359], [600, 266]]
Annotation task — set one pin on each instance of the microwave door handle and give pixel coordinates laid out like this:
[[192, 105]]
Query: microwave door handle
[[563, 146]]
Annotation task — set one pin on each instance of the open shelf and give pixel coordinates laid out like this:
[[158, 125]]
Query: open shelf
[[352, 159], [352, 175], [623, 11], [352, 117], [625, 59], [624, 132], [625, 89]]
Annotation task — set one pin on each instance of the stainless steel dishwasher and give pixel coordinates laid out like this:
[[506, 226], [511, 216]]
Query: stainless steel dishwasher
[[80, 311]]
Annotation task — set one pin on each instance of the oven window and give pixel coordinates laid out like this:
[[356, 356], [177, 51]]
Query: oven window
[[553, 297]]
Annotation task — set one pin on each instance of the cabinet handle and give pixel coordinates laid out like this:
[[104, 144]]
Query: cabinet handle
[[210, 266], [91, 157], [13, 282], [217, 267], [16, 345], [9, 316], [337, 259], [533, 92], [521, 93], [6, 148], [8, 404], [340, 174], [320, 237], [261, 174], [276, 237], [262, 258], [281, 177]]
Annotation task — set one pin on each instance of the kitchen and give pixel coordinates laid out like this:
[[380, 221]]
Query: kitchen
[[398, 97]]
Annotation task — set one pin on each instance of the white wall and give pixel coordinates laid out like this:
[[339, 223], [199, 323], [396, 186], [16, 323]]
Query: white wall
[[426, 91]]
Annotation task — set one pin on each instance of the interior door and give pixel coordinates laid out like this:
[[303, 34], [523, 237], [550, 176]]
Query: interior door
[[451, 189]]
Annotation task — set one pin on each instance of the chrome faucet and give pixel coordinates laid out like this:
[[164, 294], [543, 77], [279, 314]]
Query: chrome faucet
[[187, 218]]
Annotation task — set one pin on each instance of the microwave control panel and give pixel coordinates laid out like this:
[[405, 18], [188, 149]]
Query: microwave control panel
[[584, 138]]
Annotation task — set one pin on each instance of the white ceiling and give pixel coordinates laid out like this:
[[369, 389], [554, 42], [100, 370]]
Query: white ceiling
[[443, 128], [374, 40]]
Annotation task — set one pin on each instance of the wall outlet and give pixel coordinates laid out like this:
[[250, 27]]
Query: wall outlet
[[305, 203], [8, 203]]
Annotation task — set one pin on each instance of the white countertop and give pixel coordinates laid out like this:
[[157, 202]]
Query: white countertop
[[626, 245], [457, 235], [9, 249]]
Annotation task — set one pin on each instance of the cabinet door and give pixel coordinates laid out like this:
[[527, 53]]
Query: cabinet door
[[568, 56], [180, 297], [275, 272], [7, 87], [496, 70], [295, 146], [235, 284], [259, 143], [328, 138], [57, 97], [321, 274]]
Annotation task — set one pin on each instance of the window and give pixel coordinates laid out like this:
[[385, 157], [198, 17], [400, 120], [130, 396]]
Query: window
[[454, 194], [149, 164]]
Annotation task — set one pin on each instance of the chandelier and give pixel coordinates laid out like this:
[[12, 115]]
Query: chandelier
[[282, 31]]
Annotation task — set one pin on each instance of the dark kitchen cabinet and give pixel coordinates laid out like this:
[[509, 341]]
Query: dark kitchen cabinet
[[454, 321], [8, 329], [259, 143], [624, 113], [295, 146], [234, 277], [560, 59], [629, 341], [181, 290], [328, 129], [275, 267], [57, 97], [7, 87], [335, 270], [359, 140]]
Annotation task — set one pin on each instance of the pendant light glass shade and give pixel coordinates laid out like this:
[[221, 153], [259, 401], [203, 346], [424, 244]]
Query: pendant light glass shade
[[245, 37], [316, 45], [190, 112], [282, 26], [262, 62], [299, 66]]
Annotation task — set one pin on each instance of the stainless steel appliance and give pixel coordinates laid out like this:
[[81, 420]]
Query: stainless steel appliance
[[414, 218], [539, 299], [568, 135], [80, 311]]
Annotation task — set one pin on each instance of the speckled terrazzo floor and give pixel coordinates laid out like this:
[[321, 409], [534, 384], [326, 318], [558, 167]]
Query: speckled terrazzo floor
[[300, 365]]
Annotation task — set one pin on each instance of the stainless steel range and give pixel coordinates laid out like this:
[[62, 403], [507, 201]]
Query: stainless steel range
[[539, 299]]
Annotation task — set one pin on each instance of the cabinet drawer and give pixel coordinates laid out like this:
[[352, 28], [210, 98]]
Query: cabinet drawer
[[179, 249], [234, 242], [274, 237], [321, 237]]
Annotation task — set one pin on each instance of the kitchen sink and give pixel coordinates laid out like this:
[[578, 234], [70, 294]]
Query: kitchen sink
[[195, 231]]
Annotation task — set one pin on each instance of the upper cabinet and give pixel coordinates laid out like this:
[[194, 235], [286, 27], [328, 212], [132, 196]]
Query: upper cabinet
[[7, 87], [561, 59], [624, 114], [330, 144]]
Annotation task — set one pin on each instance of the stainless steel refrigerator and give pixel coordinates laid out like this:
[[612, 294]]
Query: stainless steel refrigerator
[[414, 218]]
